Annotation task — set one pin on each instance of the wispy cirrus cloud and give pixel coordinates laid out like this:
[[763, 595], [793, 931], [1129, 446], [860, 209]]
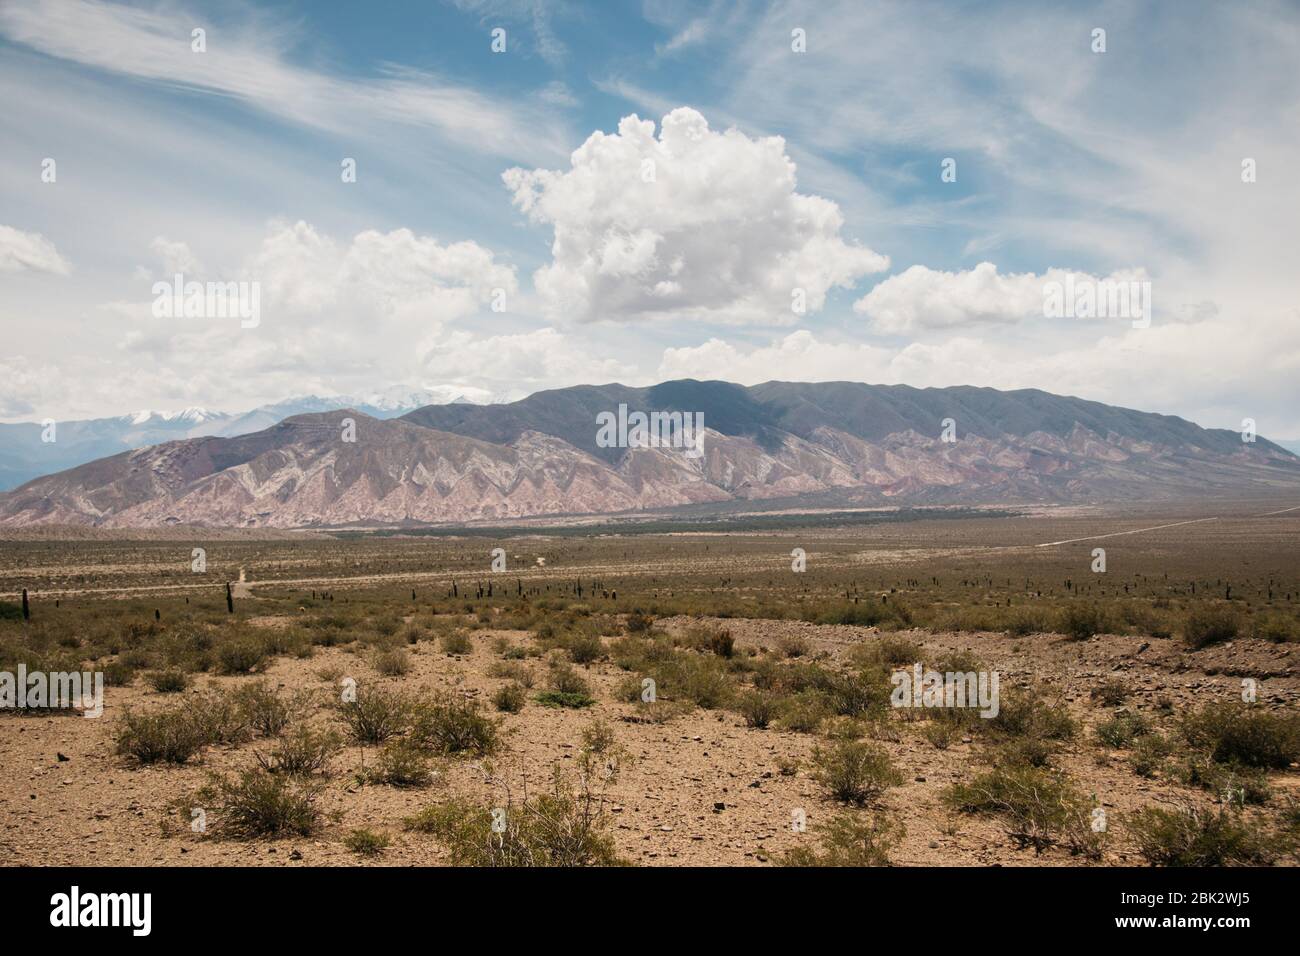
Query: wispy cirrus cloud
[[249, 63]]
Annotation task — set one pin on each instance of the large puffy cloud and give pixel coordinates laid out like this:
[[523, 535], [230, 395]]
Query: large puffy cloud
[[388, 276], [336, 315], [516, 365], [923, 298], [691, 224], [29, 252]]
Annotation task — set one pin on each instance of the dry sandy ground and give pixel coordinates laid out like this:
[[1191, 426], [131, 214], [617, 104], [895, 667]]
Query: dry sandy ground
[[700, 789]]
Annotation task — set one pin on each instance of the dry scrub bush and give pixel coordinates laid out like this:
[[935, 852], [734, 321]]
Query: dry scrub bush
[[260, 804], [301, 752], [1191, 836], [855, 772], [451, 724], [559, 828], [1039, 807], [1210, 624], [849, 840], [376, 714], [1237, 733]]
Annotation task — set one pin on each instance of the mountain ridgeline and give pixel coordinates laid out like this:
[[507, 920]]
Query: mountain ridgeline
[[834, 444]]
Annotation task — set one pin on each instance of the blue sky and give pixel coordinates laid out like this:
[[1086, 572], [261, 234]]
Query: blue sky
[[225, 164]]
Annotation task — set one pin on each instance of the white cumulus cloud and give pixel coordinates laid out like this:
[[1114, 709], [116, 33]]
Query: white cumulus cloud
[[393, 276], [924, 298], [518, 364], [693, 223], [29, 252]]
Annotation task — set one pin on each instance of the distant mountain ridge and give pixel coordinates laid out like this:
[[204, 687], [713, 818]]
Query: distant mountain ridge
[[840, 442], [24, 455]]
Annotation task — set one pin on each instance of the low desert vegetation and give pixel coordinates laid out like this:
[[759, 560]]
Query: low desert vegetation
[[562, 827], [1211, 624], [1039, 807], [510, 699], [301, 752], [402, 762], [258, 804], [373, 714], [675, 655], [364, 842], [1244, 734], [453, 725], [849, 840], [170, 681], [1192, 836], [855, 772]]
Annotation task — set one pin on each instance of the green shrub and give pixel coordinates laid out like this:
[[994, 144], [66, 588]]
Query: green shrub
[[456, 643], [240, 656], [1275, 628], [1081, 621], [510, 698], [563, 679], [160, 737], [513, 671], [805, 711], [555, 829], [638, 623], [1149, 754], [1210, 624], [558, 698], [376, 714], [168, 681], [759, 708], [219, 718], [849, 840], [1189, 836], [366, 842], [855, 772], [1029, 713], [1231, 783], [1244, 734], [402, 763], [301, 752], [1122, 729], [262, 804], [264, 709], [584, 648], [451, 724], [1039, 807], [394, 662], [1023, 752], [886, 652], [701, 680]]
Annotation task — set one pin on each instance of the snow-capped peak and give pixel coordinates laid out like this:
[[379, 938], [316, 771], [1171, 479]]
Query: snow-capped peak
[[192, 415]]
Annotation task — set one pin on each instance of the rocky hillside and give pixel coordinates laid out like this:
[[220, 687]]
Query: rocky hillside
[[846, 443]]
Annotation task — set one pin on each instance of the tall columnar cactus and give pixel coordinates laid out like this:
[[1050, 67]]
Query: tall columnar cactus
[[230, 600]]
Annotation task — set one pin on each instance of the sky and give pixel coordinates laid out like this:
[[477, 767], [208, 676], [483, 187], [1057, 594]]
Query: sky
[[558, 193]]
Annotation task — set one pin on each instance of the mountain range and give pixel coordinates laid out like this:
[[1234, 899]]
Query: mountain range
[[837, 443], [26, 454]]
